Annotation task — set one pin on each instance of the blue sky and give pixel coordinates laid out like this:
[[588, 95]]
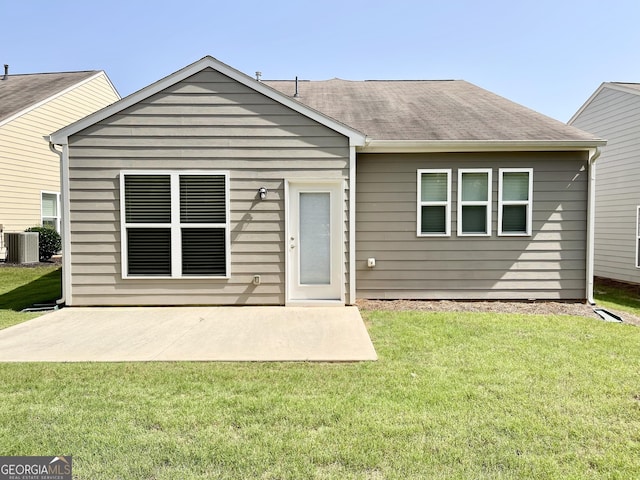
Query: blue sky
[[546, 55]]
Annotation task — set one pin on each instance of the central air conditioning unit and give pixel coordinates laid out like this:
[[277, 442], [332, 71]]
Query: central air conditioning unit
[[22, 247]]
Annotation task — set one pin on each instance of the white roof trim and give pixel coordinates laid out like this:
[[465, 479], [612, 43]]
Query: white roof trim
[[610, 86], [58, 94], [586, 104], [622, 87], [61, 136], [397, 146]]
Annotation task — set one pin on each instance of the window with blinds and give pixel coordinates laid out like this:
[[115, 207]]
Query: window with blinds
[[515, 191], [50, 210], [175, 224], [434, 202], [474, 202]]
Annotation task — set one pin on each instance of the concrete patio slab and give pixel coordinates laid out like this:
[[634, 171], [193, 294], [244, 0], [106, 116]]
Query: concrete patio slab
[[139, 334]]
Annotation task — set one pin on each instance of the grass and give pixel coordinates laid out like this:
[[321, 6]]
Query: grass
[[21, 287], [455, 395], [618, 296]]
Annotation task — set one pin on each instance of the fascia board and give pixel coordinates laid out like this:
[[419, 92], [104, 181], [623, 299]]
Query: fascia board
[[113, 87], [587, 103], [621, 88], [56, 95], [62, 135], [440, 146], [610, 86]]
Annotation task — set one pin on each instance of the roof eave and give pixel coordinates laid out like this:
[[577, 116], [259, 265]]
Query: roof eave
[[39, 103], [60, 137], [436, 146]]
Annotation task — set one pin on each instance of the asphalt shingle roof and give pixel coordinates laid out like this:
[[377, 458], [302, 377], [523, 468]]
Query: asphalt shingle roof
[[18, 92], [452, 110]]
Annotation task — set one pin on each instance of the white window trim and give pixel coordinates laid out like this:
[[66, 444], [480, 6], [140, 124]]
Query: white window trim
[[637, 235], [446, 204], [175, 225], [528, 203], [486, 203], [57, 218]]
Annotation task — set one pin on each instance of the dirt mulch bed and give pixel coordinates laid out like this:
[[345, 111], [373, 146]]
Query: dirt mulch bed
[[526, 308]]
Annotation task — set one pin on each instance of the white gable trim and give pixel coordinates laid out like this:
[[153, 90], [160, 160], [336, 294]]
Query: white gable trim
[[611, 86], [587, 103], [58, 94], [61, 136], [622, 88]]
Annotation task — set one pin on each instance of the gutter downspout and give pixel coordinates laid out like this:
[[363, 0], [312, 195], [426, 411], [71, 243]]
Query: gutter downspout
[[591, 220], [352, 225], [66, 243]]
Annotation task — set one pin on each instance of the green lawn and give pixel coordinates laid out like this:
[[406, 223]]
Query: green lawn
[[455, 395], [21, 287], [626, 298]]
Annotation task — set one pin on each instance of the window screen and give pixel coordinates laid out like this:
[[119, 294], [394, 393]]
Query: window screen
[[202, 199], [175, 215], [474, 206], [515, 202], [434, 202], [50, 214]]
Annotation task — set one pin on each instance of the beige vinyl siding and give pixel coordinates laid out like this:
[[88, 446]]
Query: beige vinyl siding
[[550, 264], [28, 165], [615, 115], [205, 122]]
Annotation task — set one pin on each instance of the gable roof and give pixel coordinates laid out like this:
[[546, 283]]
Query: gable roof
[[631, 88], [380, 115], [61, 136], [446, 112], [25, 91]]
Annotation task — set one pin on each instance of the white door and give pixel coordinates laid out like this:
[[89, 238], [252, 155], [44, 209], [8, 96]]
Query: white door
[[315, 241]]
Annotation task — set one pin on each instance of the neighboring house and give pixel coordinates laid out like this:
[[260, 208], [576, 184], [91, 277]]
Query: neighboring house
[[613, 112], [31, 107], [210, 187]]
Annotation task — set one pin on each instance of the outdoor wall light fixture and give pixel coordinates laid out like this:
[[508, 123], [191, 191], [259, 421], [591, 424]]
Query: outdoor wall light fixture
[[262, 191]]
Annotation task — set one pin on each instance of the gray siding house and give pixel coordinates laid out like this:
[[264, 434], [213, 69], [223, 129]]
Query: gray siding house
[[613, 112], [210, 187]]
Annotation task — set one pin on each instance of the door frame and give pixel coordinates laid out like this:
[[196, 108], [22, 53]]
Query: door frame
[[339, 184]]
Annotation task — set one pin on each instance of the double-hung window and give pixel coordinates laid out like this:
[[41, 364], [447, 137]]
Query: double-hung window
[[434, 202], [474, 201], [515, 192], [50, 210], [175, 224]]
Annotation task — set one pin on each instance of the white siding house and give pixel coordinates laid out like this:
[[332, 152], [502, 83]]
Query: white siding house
[[613, 112], [31, 107]]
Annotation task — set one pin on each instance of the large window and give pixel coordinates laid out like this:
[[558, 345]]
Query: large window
[[434, 202], [474, 201], [175, 224], [515, 191], [50, 210]]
